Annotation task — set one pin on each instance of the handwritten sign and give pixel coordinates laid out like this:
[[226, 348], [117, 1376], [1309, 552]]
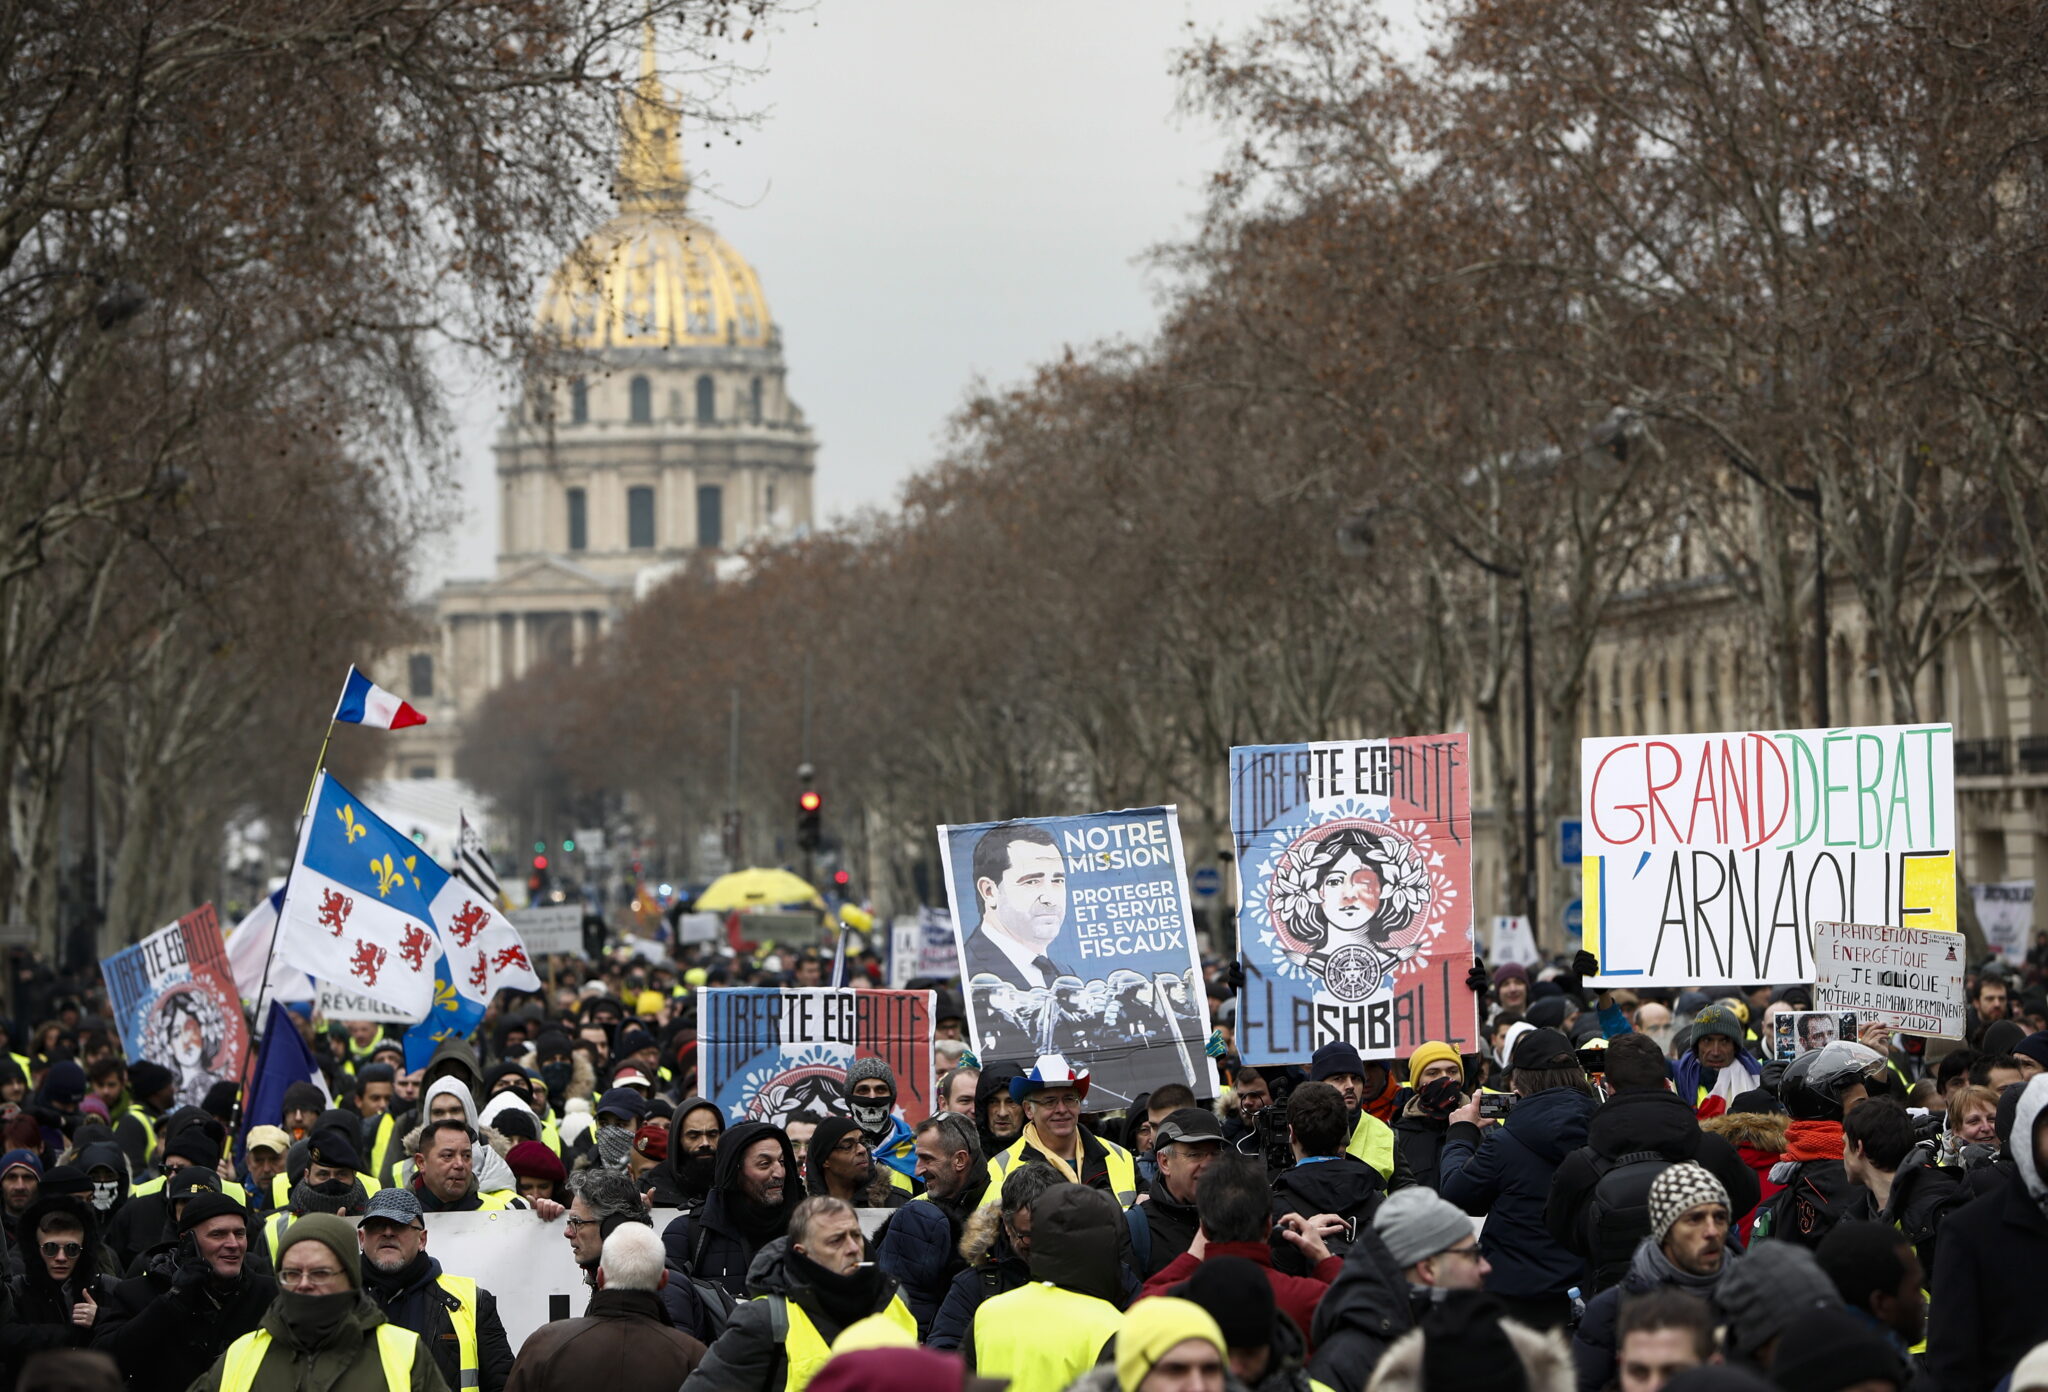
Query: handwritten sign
[[1908, 979]]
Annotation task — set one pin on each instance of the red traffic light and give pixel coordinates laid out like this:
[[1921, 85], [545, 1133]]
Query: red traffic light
[[540, 862], [809, 801], [841, 878]]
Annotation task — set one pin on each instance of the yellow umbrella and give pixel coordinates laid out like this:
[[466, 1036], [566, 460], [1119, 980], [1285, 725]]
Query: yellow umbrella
[[756, 889]]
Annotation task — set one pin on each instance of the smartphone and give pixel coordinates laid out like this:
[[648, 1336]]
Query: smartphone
[[1495, 1105]]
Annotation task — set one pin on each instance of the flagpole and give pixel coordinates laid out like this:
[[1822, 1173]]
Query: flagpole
[[277, 928]]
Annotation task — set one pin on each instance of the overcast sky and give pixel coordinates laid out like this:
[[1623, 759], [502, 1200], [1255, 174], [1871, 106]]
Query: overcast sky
[[937, 191]]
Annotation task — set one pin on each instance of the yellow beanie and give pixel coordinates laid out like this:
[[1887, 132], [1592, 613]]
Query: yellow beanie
[[696, 976], [649, 1004], [1435, 1051], [1151, 1330]]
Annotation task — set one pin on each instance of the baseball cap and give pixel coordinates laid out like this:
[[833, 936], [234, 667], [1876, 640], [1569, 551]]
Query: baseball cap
[[1544, 1048], [395, 1205], [629, 1078], [269, 1138], [1190, 1125], [622, 1101]]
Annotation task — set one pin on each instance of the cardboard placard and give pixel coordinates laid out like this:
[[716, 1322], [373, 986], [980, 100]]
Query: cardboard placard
[[1909, 979]]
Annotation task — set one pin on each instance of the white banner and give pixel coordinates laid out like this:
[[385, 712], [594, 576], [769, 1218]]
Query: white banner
[[1514, 941], [2006, 914], [1708, 858], [1909, 979], [551, 928], [334, 1002]]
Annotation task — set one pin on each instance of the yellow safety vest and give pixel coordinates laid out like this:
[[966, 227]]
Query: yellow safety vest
[[148, 1128], [382, 1144], [1123, 1172], [1041, 1337], [463, 1317], [1372, 1141], [805, 1347], [396, 1350], [156, 1186], [551, 1137]]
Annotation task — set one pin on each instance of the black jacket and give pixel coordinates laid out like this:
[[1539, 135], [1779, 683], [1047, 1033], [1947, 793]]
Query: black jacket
[[993, 1268], [919, 1246], [1987, 1314], [1345, 1186], [38, 1313], [1506, 1175], [412, 1300], [1365, 1310], [1419, 1142], [689, 1193], [748, 1356], [1628, 1122], [712, 1244], [1172, 1225], [164, 1336], [1922, 1196]]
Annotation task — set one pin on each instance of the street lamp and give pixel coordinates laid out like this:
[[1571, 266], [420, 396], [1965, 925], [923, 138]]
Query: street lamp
[[1354, 538]]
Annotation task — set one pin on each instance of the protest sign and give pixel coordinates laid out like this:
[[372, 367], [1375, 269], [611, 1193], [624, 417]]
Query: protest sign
[[922, 946], [2006, 914], [1075, 936], [1708, 858], [1513, 941], [780, 1053], [337, 1002], [1354, 892], [175, 1003], [1908, 979], [1796, 1032], [550, 928]]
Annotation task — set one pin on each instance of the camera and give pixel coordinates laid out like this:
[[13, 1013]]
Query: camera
[[1496, 1105], [1274, 1145]]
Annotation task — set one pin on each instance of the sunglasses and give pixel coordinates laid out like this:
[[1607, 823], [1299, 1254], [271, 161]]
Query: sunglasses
[[62, 1249]]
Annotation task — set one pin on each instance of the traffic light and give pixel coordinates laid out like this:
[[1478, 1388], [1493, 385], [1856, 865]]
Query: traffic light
[[809, 813], [568, 848], [840, 879], [539, 846], [540, 862]]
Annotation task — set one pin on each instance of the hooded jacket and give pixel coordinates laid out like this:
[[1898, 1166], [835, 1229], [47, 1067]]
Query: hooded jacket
[[1626, 1124], [713, 1244], [749, 1356], [1345, 1186], [1366, 1308], [1546, 1362], [689, 1188], [487, 1152], [1759, 1141], [1060, 1322], [162, 1335], [993, 1267], [1506, 1176], [40, 1314], [110, 1155], [994, 1081], [1985, 1320], [454, 1058]]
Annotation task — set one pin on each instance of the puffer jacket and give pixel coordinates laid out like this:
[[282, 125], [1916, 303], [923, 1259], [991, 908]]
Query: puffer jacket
[[1759, 1141], [1546, 1361], [920, 1248], [1505, 1175], [993, 1267]]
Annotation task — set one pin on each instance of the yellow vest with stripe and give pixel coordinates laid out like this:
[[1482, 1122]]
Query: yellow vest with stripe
[[463, 1319], [156, 1186], [1041, 1337], [383, 1144], [806, 1349], [551, 1137], [1123, 1172], [1372, 1141], [396, 1350]]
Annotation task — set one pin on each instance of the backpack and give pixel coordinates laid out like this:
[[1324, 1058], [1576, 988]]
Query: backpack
[[1818, 1196], [712, 1298], [1617, 1215]]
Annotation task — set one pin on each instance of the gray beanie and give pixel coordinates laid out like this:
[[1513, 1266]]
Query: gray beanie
[[1773, 1285], [1416, 1224], [1679, 1190], [862, 1069]]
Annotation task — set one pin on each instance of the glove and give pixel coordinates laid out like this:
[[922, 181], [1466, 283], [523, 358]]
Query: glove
[[1233, 976], [1478, 979], [1215, 1047], [1585, 964], [193, 1270], [1773, 1074]]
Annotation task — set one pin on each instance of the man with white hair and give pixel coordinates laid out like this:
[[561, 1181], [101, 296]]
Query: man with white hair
[[625, 1331]]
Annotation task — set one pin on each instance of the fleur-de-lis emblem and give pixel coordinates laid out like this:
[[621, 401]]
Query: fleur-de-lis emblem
[[388, 876], [444, 996], [412, 863], [356, 830]]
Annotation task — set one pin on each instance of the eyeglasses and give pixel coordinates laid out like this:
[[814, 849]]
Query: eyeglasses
[[308, 1276], [1471, 1252], [580, 1222], [62, 1249]]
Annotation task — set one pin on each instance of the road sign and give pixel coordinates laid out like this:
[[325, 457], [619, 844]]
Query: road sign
[[1575, 918], [1206, 881], [1570, 842]]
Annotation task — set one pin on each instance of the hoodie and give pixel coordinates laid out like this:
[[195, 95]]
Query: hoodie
[[486, 1153], [110, 1155], [40, 1313], [994, 1081], [719, 1241], [1088, 1232], [691, 1181]]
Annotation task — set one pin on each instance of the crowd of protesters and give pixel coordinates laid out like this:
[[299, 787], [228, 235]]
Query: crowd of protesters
[[1605, 1190]]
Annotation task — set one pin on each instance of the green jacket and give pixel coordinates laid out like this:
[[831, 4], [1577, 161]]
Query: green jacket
[[347, 1363]]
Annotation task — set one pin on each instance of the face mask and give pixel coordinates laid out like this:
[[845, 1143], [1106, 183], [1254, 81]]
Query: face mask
[[613, 1145], [104, 1194], [871, 1114], [1440, 1098], [557, 1076], [313, 1319]]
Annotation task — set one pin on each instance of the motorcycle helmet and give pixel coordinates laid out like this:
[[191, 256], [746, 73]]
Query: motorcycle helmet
[[1814, 1082]]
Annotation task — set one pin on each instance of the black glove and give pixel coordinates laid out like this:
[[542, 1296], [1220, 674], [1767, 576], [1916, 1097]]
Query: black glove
[[1478, 979], [1773, 1074], [193, 1270], [1233, 976], [1585, 964]]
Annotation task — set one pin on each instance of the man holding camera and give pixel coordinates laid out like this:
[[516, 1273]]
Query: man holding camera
[[1323, 1179]]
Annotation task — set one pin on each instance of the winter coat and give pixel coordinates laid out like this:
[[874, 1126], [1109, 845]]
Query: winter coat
[[1296, 1296], [346, 1362], [1627, 1123], [1419, 1141], [688, 1196], [1345, 1186], [415, 1302], [164, 1336], [1922, 1196], [710, 1244], [1506, 1176], [1759, 1141], [1986, 1315], [993, 1267], [1594, 1343], [1546, 1361], [622, 1343], [487, 1154], [1366, 1309], [920, 1248], [1172, 1226], [39, 1310], [748, 1356]]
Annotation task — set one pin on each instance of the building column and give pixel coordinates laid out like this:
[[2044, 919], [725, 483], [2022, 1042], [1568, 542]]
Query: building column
[[494, 645], [520, 656]]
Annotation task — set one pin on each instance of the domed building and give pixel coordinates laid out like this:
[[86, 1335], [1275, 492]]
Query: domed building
[[664, 432]]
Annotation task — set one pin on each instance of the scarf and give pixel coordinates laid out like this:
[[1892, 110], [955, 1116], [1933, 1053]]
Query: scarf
[[1039, 1144], [613, 1145], [1383, 1106], [314, 1320], [1813, 1140], [842, 1300], [757, 1224], [1651, 1268]]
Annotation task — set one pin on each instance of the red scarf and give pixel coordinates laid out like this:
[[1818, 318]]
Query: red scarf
[[1383, 1105], [1813, 1140]]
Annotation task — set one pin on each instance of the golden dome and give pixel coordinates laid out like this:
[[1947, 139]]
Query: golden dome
[[654, 277]]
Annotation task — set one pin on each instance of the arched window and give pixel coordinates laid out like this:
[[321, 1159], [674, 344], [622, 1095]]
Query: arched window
[[754, 401], [707, 401], [641, 399], [579, 401], [640, 518]]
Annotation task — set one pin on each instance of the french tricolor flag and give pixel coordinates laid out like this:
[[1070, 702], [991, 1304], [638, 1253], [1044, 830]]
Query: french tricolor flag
[[363, 702]]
